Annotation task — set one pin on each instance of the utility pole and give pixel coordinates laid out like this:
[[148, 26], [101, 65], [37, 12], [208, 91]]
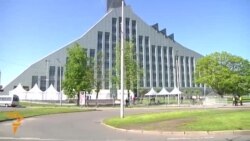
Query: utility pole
[[122, 65]]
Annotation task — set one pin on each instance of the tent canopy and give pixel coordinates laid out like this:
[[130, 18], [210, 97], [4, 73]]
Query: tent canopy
[[19, 91], [35, 89], [152, 92], [51, 93], [51, 90], [163, 92], [175, 91]]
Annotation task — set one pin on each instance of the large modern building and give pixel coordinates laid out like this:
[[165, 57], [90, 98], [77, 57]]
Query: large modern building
[[156, 53]]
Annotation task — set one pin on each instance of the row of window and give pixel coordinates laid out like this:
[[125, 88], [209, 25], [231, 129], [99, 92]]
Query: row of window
[[52, 78], [156, 62]]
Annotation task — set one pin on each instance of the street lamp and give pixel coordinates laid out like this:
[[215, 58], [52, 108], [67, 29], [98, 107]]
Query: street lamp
[[122, 65]]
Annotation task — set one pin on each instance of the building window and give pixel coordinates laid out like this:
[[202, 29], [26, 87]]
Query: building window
[[92, 53], [127, 28], [170, 51], [165, 65], [148, 83], [99, 41], [34, 81], [134, 31], [106, 58], [59, 77], [187, 70], [52, 70], [182, 71], [43, 83], [120, 21]]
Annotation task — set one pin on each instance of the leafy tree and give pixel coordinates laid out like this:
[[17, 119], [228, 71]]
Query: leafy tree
[[99, 78], [224, 73], [78, 74], [131, 68]]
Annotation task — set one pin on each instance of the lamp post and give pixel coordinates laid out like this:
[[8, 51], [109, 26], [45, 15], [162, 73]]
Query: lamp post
[[60, 83], [122, 65]]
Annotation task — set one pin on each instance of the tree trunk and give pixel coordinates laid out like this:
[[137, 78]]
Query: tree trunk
[[128, 97], [78, 99], [96, 99]]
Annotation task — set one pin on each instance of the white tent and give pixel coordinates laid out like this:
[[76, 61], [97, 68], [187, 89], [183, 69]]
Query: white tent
[[19, 91], [152, 92], [51, 94], [176, 91], [163, 92], [64, 97], [125, 94], [103, 94], [35, 93]]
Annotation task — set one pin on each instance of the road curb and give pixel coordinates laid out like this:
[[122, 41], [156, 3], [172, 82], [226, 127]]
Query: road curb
[[178, 133]]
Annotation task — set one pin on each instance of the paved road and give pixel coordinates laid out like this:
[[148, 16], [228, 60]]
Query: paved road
[[87, 127]]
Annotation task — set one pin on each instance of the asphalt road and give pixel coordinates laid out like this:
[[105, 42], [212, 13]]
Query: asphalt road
[[86, 126]]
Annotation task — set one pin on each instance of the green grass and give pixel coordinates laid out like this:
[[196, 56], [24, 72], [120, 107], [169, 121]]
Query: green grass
[[31, 112], [149, 118], [202, 120], [234, 120]]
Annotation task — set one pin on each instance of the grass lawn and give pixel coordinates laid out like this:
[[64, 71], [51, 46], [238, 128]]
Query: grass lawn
[[30, 112], [191, 120]]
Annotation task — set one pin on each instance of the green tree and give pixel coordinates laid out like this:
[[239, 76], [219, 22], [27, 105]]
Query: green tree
[[78, 74], [99, 77], [224, 73], [131, 68]]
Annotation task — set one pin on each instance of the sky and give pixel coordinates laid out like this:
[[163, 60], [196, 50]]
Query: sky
[[32, 29]]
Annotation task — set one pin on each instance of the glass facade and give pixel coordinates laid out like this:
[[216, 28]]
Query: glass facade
[[192, 71], [106, 60], [52, 71], [171, 66], [187, 70], [147, 61], [34, 81], [182, 74], [59, 77], [127, 28], [159, 66], [165, 65], [153, 65], [43, 83]]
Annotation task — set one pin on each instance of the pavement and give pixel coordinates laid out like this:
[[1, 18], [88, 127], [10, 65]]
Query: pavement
[[87, 126]]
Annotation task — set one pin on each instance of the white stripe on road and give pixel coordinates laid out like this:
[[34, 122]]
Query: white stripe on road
[[33, 139]]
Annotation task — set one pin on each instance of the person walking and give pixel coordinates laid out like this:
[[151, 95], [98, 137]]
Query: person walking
[[240, 100], [234, 103]]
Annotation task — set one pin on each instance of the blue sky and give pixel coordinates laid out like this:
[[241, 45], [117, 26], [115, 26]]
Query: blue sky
[[31, 29]]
